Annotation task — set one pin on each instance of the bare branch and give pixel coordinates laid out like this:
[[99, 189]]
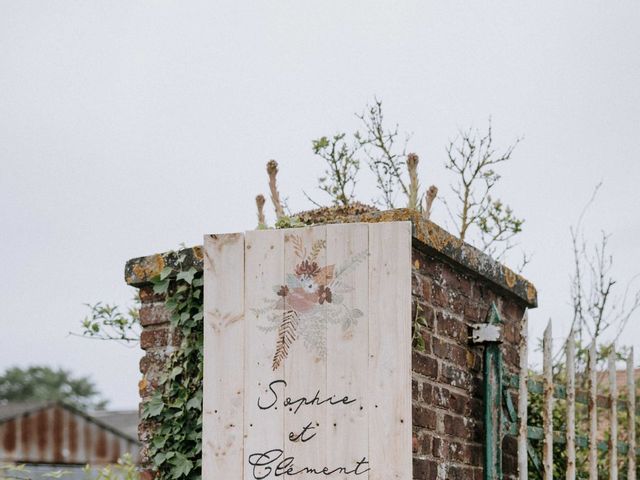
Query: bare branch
[[339, 180], [472, 158], [384, 160]]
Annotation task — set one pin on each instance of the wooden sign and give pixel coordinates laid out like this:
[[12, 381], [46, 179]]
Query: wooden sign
[[308, 353]]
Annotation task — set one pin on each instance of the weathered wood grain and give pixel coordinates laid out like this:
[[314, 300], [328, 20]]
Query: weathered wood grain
[[264, 268], [223, 404], [348, 350], [308, 353], [389, 351], [305, 368]]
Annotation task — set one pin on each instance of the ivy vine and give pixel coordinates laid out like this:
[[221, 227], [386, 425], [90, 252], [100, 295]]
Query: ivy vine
[[175, 409]]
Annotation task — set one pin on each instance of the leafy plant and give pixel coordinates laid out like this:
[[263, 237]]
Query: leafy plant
[[175, 409], [42, 383], [473, 159], [10, 471], [386, 160], [339, 180], [124, 469], [419, 322], [394, 170], [108, 322]]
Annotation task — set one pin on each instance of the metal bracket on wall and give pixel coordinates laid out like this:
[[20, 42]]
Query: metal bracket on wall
[[486, 333], [489, 335]]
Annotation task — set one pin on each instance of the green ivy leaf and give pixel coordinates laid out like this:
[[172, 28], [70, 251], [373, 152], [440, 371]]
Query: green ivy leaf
[[166, 271], [195, 402], [188, 275], [161, 287], [181, 465], [153, 407]]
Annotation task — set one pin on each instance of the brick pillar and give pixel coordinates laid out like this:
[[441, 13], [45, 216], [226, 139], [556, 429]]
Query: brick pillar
[[447, 376], [454, 285]]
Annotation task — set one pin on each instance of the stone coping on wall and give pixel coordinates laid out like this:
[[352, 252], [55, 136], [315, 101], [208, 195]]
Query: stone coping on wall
[[427, 236]]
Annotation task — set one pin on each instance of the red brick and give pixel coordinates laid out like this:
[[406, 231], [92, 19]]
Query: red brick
[[148, 296], [151, 338], [456, 281], [483, 294], [511, 311], [432, 268], [459, 452], [450, 352], [437, 448], [452, 401], [424, 417], [424, 469], [511, 355], [448, 326], [427, 393], [476, 453], [424, 365], [147, 475], [474, 312], [427, 286], [153, 314], [153, 362], [455, 426], [439, 296], [458, 472]]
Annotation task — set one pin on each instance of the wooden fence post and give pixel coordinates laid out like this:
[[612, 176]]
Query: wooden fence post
[[631, 408], [613, 390], [547, 412], [571, 408], [593, 414]]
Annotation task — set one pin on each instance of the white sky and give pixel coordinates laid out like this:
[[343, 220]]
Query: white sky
[[128, 128]]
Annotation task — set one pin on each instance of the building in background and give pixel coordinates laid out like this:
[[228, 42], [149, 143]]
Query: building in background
[[52, 436]]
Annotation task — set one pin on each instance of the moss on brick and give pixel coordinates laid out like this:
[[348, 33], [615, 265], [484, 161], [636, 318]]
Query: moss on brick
[[427, 237]]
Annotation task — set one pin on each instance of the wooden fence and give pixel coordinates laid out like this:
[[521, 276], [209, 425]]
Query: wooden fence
[[590, 398]]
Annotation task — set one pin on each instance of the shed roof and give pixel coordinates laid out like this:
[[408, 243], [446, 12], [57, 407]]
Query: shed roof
[[52, 432]]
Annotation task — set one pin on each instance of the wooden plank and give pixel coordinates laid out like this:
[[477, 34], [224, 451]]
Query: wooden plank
[[223, 408], [264, 419], [613, 442], [390, 351], [348, 345], [593, 414], [305, 365], [547, 412], [571, 407], [631, 407], [523, 397]]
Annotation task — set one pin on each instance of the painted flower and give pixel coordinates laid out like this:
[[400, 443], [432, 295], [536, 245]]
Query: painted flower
[[284, 291], [307, 269], [324, 294]]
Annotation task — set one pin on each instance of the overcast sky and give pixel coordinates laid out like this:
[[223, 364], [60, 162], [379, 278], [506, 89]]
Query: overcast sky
[[128, 128]]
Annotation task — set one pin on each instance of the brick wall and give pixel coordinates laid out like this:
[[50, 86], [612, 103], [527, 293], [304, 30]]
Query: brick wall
[[447, 376], [454, 285]]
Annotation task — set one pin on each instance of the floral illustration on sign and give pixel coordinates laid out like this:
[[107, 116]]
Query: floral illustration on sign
[[311, 299]]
